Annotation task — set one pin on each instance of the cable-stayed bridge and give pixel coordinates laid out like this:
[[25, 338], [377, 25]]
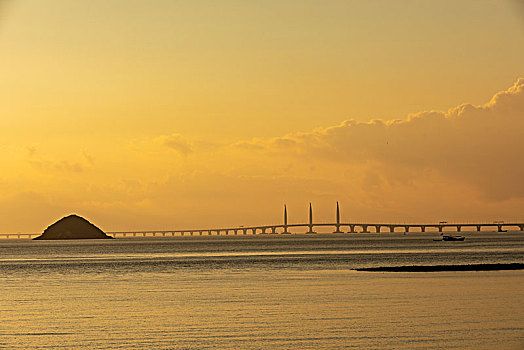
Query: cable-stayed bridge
[[337, 226]]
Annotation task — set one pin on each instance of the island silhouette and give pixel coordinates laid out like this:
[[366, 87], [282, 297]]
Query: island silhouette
[[72, 227]]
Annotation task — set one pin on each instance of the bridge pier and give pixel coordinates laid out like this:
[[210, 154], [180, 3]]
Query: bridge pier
[[521, 227], [499, 228], [391, 229], [263, 231], [459, 228], [364, 228], [337, 229], [273, 230], [377, 228], [310, 230], [244, 231], [422, 228], [440, 228], [478, 228], [406, 229], [254, 230], [351, 229]]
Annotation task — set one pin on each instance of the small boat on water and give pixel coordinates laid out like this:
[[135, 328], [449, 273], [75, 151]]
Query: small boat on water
[[453, 238]]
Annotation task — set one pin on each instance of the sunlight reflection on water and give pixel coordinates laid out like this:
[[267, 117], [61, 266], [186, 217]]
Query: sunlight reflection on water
[[266, 293]]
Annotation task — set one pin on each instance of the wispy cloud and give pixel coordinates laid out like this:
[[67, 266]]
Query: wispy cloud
[[76, 165], [63, 165], [177, 143]]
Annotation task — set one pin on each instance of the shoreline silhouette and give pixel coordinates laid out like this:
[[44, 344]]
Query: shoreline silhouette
[[443, 268], [72, 227]]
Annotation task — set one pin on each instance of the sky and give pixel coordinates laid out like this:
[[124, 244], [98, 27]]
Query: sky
[[193, 114]]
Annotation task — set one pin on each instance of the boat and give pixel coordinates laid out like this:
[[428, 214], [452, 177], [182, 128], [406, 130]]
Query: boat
[[453, 238]]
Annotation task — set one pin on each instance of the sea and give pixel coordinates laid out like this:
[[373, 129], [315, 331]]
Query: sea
[[261, 292]]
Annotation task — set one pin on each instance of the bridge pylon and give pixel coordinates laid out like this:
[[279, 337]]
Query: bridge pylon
[[310, 225], [337, 225], [285, 221]]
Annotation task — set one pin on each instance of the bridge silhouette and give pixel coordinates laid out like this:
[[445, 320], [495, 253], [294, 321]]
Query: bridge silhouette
[[285, 228]]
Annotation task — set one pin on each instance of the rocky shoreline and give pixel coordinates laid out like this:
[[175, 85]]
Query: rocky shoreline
[[440, 268]]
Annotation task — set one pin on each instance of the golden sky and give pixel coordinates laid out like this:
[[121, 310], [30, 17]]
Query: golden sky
[[185, 114]]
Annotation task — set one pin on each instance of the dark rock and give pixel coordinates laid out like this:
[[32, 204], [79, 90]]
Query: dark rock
[[440, 268], [73, 227]]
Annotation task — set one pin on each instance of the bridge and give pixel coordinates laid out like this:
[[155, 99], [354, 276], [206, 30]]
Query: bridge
[[310, 226]]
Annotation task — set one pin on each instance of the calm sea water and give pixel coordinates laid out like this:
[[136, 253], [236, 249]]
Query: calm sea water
[[260, 292]]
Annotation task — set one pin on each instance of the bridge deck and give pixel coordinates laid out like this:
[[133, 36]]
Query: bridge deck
[[284, 228]]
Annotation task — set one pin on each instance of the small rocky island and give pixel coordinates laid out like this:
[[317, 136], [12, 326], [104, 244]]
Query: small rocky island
[[73, 227]]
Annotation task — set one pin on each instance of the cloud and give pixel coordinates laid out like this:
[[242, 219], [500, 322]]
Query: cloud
[[16, 209], [177, 143], [31, 151], [479, 146], [62, 165], [76, 165], [460, 164]]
